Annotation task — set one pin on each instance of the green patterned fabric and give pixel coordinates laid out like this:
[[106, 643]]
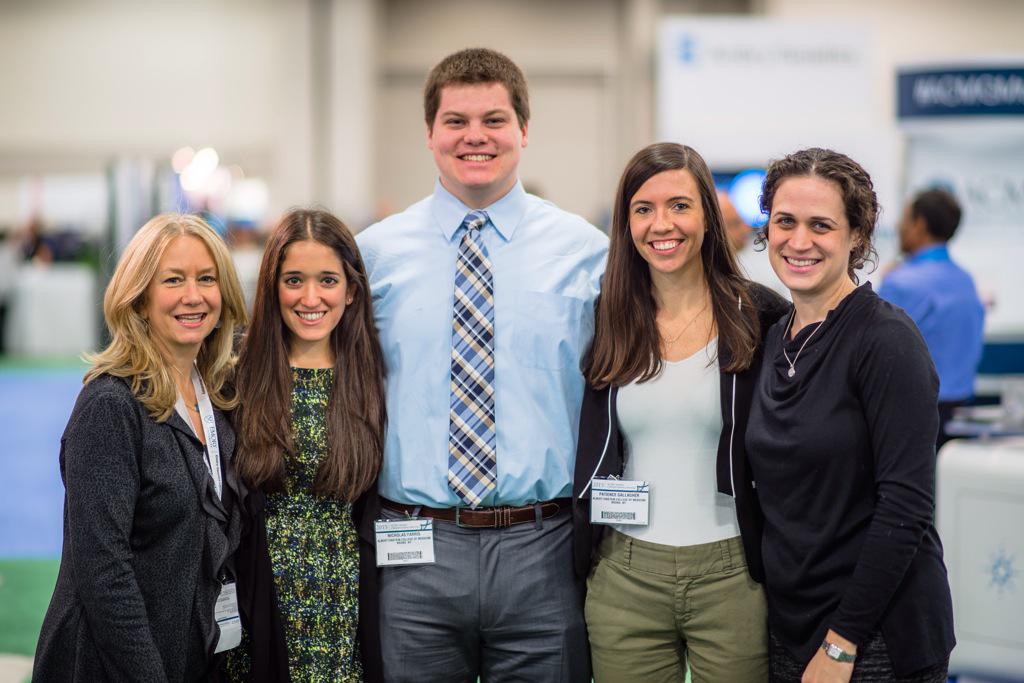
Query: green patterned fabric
[[314, 551]]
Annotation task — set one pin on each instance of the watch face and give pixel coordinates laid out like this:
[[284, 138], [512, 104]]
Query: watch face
[[837, 653]]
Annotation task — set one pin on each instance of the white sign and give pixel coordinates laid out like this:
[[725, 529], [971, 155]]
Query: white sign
[[738, 88]]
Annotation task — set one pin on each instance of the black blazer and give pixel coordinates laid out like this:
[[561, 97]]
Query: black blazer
[[145, 541], [600, 449]]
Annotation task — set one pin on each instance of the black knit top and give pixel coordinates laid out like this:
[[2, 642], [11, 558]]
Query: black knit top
[[843, 455]]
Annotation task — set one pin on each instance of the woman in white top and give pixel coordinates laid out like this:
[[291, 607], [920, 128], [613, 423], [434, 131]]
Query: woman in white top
[[670, 373]]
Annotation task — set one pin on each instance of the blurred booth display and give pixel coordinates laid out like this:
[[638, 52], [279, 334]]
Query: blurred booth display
[[76, 202], [140, 188], [964, 128], [53, 310], [979, 513], [745, 90], [737, 88]]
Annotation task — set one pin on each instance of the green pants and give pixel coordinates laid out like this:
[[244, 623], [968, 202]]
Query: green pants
[[652, 607]]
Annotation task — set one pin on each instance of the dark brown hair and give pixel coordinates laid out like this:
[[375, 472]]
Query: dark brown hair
[[355, 409], [472, 66], [627, 346], [855, 188], [940, 211]]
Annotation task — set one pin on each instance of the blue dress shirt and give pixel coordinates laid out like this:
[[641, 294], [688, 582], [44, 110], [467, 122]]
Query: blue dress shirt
[[940, 297], [547, 265]]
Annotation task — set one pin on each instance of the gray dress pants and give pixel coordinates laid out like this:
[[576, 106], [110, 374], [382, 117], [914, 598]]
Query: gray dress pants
[[501, 604]]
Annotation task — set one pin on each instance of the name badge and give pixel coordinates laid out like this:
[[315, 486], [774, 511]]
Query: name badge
[[404, 541], [225, 612], [618, 501]]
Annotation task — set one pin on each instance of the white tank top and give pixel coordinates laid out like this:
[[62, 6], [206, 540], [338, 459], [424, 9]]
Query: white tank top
[[672, 425]]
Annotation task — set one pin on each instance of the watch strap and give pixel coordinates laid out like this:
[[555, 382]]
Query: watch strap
[[833, 651]]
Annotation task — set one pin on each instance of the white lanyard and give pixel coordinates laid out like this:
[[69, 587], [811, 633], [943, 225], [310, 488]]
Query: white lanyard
[[212, 451]]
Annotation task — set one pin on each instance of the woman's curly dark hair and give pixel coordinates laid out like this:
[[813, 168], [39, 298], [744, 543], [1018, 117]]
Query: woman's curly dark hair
[[855, 187]]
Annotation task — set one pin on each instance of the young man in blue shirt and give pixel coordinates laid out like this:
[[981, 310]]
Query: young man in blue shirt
[[939, 296], [484, 298]]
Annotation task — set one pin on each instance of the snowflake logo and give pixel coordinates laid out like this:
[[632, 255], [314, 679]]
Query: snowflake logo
[[1001, 571]]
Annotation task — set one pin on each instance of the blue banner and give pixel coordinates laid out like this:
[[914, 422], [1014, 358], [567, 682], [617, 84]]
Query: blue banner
[[960, 92]]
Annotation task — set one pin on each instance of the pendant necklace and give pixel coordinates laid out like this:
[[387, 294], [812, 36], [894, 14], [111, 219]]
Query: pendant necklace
[[785, 333]]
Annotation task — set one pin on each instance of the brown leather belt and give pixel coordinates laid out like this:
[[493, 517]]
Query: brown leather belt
[[484, 518]]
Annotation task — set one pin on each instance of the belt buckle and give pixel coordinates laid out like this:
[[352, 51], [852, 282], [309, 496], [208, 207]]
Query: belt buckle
[[502, 518]]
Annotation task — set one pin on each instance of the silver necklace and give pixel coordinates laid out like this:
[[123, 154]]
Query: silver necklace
[[785, 333]]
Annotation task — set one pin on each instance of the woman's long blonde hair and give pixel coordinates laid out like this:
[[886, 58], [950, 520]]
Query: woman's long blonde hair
[[133, 353]]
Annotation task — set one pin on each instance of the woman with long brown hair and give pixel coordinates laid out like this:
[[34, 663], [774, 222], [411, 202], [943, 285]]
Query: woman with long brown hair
[[670, 373], [310, 425]]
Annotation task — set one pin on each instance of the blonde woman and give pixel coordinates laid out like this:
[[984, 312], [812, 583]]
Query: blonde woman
[[150, 515]]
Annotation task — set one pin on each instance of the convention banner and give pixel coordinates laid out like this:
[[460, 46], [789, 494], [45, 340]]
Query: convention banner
[[966, 91]]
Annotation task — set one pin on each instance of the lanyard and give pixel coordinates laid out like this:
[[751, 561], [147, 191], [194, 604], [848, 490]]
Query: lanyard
[[211, 454]]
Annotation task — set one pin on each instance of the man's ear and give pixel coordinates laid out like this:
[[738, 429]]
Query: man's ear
[[921, 228], [430, 137], [524, 129]]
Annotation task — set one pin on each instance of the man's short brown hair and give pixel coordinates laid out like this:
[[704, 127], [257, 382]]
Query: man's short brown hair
[[476, 65]]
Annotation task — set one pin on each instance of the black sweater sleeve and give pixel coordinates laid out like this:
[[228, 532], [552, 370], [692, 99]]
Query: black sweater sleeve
[[897, 387]]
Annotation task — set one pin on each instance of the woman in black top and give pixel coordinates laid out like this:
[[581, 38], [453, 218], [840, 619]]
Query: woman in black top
[[841, 442]]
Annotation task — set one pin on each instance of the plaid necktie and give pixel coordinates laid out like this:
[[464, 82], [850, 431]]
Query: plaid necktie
[[472, 461]]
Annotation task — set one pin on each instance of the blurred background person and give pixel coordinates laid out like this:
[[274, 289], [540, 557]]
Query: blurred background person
[[737, 231], [35, 245], [842, 446], [311, 433], [670, 374], [8, 267], [939, 296], [751, 260], [150, 519]]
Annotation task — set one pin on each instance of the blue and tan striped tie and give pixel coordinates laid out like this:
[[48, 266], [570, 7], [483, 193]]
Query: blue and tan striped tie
[[472, 462]]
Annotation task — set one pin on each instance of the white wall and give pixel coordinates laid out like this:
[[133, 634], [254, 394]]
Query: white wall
[[86, 81]]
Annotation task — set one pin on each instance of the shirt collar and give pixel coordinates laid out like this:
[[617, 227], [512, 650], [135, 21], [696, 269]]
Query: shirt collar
[[505, 214], [934, 252]]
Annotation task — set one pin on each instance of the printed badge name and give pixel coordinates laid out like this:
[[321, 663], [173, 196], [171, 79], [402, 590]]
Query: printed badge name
[[404, 541], [619, 501]]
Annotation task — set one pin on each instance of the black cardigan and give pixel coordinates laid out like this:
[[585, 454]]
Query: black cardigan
[[844, 457], [257, 596], [599, 426]]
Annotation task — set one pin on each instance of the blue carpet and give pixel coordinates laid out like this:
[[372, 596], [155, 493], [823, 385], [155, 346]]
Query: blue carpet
[[34, 407]]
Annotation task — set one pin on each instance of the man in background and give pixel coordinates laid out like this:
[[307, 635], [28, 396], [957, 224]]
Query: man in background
[[484, 298], [752, 258], [939, 296], [736, 229]]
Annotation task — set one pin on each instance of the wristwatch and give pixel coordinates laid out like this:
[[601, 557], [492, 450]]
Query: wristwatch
[[833, 651]]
